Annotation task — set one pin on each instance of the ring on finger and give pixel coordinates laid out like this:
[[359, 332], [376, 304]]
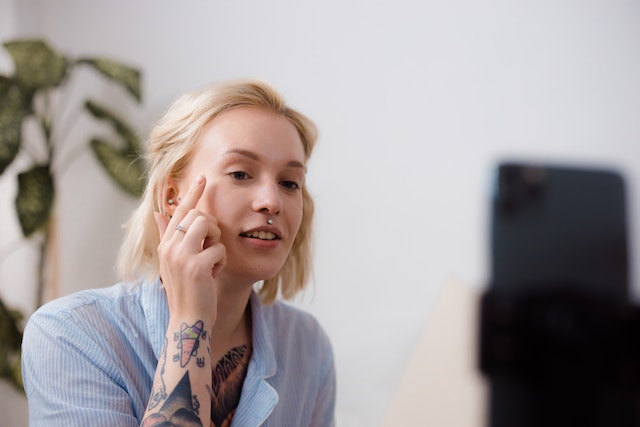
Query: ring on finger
[[181, 228]]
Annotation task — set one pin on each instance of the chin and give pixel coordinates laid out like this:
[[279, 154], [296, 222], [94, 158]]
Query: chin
[[271, 274], [254, 273]]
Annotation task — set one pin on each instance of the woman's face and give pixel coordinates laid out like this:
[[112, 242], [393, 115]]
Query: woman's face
[[254, 164]]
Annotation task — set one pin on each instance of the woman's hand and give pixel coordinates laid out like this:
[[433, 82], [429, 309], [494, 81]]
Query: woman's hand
[[190, 256]]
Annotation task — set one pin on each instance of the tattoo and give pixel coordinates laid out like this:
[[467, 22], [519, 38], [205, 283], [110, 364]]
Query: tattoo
[[178, 410], [227, 379], [160, 393], [196, 404], [188, 342]]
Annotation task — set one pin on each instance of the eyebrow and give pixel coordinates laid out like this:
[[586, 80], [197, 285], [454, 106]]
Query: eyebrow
[[254, 156]]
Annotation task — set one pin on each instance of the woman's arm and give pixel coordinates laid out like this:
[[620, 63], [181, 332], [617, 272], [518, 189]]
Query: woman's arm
[[190, 257], [182, 384]]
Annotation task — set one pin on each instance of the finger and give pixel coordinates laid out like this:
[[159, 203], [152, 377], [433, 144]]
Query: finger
[[195, 215], [216, 256], [188, 203], [193, 196], [202, 230]]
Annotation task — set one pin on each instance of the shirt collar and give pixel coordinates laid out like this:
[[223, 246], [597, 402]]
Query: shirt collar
[[259, 397], [263, 351], [156, 311]]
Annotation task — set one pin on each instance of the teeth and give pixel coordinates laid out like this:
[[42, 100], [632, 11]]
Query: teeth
[[262, 235]]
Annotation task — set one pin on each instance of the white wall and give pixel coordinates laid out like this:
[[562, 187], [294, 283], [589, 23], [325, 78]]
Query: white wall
[[416, 100]]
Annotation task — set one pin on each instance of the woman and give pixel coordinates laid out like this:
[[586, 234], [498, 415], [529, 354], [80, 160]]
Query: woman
[[191, 342]]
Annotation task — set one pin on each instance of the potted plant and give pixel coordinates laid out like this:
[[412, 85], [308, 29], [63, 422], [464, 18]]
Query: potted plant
[[41, 74]]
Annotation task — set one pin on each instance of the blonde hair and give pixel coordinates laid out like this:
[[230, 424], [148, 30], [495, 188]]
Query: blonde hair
[[170, 146]]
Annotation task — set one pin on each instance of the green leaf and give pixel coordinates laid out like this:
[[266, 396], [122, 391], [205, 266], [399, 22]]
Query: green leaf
[[16, 372], [10, 342], [125, 168], [124, 165], [38, 66], [124, 75], [34, 199], [10, 335], [14, 107], [120, 126]]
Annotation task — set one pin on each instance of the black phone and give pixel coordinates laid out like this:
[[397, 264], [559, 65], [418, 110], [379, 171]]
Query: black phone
[[559, 226], [550, 339]]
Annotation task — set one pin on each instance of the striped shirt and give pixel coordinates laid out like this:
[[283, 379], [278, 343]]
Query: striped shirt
[[90, 359]]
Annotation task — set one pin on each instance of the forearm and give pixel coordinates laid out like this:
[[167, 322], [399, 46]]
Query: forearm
[[182, 383]]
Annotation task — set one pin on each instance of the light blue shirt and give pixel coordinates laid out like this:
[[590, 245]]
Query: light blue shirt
[[89, 359]]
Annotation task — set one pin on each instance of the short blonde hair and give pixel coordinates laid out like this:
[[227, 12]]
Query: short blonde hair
[[170, 146]]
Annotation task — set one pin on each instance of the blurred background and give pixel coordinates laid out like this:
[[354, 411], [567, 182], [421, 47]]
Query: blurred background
[[416, 102]]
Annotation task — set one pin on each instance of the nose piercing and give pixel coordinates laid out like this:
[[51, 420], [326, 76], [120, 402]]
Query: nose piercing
[[270, 221]]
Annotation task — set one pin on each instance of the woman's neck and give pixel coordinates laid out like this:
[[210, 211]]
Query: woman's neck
[[233, 322]]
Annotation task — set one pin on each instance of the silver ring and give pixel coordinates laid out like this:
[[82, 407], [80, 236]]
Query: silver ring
[[181, 228]]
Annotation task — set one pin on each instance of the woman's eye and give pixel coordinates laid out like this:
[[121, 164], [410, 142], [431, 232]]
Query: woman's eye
[[239, 175], [290, 185]]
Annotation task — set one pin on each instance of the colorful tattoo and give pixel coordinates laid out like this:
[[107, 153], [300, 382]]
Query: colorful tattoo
[[227, 379], [177, 410], [188, 342]]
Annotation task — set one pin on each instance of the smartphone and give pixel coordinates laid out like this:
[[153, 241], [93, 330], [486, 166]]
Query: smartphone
[[559, 274], [559, 226]]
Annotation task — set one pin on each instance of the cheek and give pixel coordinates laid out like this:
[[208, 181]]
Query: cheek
[[216, 199], [225, 206], [296, 220], [214, 204], [209, 200]]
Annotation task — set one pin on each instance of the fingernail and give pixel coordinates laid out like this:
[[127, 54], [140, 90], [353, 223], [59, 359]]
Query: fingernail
[[200, 179]]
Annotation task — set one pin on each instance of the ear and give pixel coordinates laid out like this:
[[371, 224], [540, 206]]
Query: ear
[[170, 197]]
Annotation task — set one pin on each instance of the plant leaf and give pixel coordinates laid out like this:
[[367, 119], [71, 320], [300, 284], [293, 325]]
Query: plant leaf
[[120, 126], [38, 66], [14, 107], [16, 372], [124, 167], [34, 199], [10, 335], [124, 75]]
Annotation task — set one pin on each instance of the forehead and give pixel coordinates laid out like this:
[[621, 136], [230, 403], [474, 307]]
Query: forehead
[[252, 129]]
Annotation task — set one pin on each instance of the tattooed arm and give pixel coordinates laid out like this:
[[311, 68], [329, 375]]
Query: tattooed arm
[[190, 256], [182, 384]]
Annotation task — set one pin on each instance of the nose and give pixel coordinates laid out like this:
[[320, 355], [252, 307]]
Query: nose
[[268, 198]]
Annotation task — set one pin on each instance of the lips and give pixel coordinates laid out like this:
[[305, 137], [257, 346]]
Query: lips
[[260, 234]]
